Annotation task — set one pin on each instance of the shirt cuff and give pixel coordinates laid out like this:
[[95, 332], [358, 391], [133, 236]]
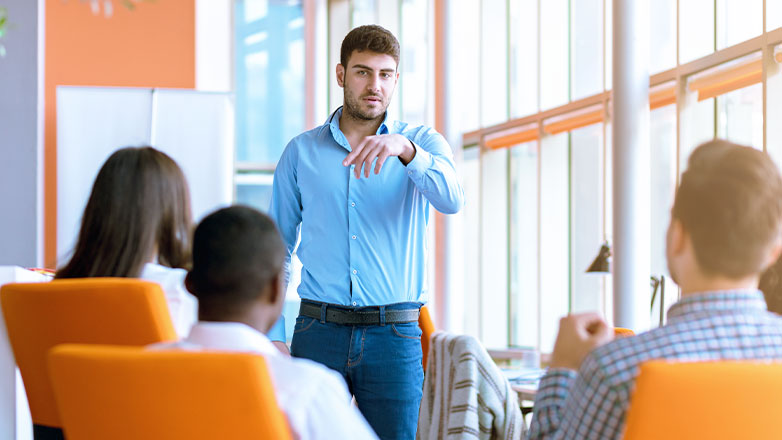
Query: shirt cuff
[[277, 332], [421, 162]]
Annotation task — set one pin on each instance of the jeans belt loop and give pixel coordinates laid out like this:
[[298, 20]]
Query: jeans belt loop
[[382, 316], [323, 313]]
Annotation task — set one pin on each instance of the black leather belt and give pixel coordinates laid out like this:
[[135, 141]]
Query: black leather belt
[[338, 315]]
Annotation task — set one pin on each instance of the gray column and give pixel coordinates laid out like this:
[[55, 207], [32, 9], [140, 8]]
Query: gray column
[[631, 235], [21, 135]]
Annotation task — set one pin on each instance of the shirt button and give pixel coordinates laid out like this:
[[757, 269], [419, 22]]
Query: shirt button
[[354, 303], [353, 237], [352, 203], [355, 271]]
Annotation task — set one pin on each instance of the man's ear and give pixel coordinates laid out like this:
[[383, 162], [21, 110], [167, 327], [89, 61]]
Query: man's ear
[[189, 283], [275, 290], [677, 237], [773, 256], [340, 75]]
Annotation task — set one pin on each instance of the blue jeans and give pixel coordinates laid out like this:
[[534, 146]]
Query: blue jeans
[[380, 363]]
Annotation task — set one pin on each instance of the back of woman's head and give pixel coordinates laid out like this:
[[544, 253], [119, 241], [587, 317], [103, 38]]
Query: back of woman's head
[[139, 205]]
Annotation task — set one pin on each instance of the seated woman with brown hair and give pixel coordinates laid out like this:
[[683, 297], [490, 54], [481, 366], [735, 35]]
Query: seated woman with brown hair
[[138, 224]]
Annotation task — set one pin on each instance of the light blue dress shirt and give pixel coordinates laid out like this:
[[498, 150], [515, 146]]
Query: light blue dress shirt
[[363, 241]]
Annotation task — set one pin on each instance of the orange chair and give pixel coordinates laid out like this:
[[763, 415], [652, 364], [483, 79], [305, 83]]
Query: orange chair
[[709, 400], [123, 393], [620, 332], [427, 329], [39, 316]]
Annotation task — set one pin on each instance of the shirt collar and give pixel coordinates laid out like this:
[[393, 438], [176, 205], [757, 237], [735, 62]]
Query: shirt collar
[[231, 336], [732, 301], [336, 133]]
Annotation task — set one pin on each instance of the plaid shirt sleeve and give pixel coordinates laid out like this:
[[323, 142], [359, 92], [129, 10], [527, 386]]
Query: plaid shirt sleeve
[[572, 405]]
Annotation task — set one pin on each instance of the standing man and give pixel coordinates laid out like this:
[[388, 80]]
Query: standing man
[[359, 187]]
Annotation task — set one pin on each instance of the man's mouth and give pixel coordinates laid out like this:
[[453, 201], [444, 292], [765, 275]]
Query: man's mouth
[[372, 98]]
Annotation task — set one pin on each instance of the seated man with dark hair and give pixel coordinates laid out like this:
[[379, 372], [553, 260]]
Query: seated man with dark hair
[[237, 261], [725, 230]]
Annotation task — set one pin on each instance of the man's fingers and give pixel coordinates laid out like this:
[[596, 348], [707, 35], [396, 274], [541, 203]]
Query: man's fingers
[[368, 161], [361, 158], [380, 161], [351, 157]]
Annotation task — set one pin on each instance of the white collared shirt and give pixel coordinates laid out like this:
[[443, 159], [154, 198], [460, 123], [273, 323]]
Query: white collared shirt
[[314, 398], [182, 305]]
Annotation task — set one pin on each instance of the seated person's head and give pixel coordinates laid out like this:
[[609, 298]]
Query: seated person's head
[[138, 210], [726, 219], [238, 257]]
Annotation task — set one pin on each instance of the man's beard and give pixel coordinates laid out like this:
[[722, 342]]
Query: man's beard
[[353, 108]]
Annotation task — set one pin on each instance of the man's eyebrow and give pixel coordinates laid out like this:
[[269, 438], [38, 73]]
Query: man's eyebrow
[[362, 66]]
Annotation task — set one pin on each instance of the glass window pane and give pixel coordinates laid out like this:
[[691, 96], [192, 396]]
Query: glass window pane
[[269, 78], [773, 14], [363, 13], [554, 237], [738, 20], [524, 244], [609, 49], [774, 113], [494, 62], [470, 171], [553, 53], [740, 116], [696, 29], [587, 225], [464, 70], [662, 126], [662, 41], [414, 65], [524, 57], [494, 248], [586, 42], [339, 26], [697, 125]]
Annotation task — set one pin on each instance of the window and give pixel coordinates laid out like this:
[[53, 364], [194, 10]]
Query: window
[[494, 62], [696, 29], [524, 244], [269, 78], [587, 211], [554, 236], [494, 248], [586, 43]]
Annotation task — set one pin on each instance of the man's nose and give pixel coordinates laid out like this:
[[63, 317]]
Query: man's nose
[[374, 83]]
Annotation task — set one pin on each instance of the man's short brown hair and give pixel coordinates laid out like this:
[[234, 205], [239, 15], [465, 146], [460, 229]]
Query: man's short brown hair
[[730, 203], [371, 37]]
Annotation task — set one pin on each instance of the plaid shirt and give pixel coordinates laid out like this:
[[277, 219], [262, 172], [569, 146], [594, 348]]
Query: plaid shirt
[[592, 403]]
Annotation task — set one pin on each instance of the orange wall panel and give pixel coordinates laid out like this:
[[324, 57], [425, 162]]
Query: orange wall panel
[[151, 46]]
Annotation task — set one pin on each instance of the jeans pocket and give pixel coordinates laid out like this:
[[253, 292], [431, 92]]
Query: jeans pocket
[[407, 330], [303, 323]]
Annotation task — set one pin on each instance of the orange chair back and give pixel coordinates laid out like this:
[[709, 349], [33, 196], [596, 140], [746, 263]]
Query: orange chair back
[[427, 329], [709, 400], [124, 393], [620, 332], [39, 316]]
